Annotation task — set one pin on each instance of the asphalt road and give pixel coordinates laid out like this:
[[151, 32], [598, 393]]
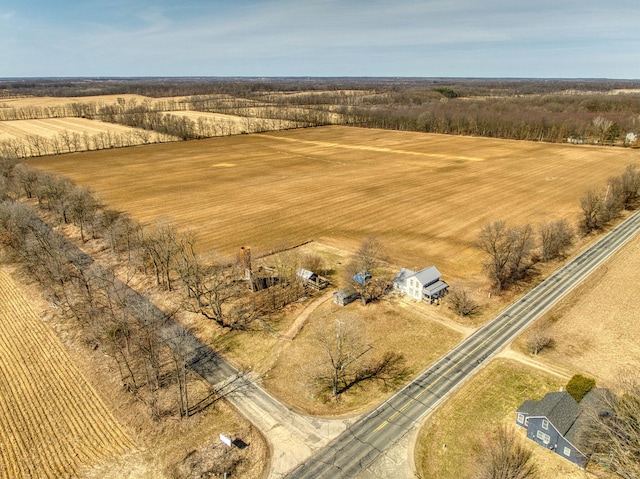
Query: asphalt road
[[355, 449]]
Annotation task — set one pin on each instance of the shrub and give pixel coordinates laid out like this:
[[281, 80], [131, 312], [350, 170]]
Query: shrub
[[579, 385]]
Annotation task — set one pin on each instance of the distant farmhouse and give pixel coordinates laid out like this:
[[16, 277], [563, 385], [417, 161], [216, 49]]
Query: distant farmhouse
[[557, 421], [577, 140], [423, 285]]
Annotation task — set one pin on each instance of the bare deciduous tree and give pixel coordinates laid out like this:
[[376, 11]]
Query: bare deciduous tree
[[539, 338], [180, 345], [461, 300], [27, 178], [213, 288], [612, 435], [344, 362], [83, 208], [161, 246], [594, 212], [555, 238], [508, 250], [362, 271], [503, 456]]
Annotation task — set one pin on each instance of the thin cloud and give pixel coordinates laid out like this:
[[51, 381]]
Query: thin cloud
[[325, 37]]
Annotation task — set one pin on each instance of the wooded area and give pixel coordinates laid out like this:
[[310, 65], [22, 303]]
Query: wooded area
[[591, 111]]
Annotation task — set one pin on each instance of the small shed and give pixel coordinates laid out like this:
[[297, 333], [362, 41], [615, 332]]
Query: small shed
[[345, 296], [306, 275], [362, 277], [312, 280]]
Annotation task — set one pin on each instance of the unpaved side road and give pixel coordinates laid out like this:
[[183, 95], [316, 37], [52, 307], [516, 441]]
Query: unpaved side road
[[293, 437]]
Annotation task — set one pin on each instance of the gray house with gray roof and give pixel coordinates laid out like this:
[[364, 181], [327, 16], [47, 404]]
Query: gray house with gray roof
[[557, 421]]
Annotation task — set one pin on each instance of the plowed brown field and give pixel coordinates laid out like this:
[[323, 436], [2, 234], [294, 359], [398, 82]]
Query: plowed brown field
[[51, 420], [426, 196]]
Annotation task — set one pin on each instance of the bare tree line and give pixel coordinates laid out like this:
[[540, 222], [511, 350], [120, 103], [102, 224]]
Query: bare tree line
[[71, 142], [511, 251], [550, 111], [147, 346], [599, 207], [151, 351]]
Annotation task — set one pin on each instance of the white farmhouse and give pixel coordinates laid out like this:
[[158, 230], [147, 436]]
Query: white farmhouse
[[425, 284]]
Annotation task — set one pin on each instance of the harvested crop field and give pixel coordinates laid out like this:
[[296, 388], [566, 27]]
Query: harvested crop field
[[53, 422], [426, 196], [57, 101], [219, 124], [596, 328], [49, 128]]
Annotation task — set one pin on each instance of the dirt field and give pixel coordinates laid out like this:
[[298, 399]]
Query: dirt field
[[218, 124], [47, 101], [49, 128], [426, 196], [596, 329], [53, 422]]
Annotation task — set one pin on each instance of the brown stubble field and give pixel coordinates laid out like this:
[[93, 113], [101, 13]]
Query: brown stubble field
[[596, 328], [426, 196], [53, 422], [48, 128]]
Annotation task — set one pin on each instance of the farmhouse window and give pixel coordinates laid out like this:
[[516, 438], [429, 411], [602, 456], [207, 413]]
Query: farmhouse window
[[545, 424], [520, 418], [567, 451]]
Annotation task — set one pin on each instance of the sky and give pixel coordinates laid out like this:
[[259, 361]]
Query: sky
[[326, 38]]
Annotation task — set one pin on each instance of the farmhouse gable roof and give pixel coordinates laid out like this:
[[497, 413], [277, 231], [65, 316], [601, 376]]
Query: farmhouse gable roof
[[566, 415], [597, 400], [560, 409], [428, 275], [402, 277]]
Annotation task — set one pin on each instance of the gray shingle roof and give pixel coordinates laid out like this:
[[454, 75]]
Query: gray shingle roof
[[529, 407], [428, 275], [558, 407], [596, 401], [566, 415]]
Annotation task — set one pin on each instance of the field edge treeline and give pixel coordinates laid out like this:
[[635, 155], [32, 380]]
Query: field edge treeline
[[593, 111]]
